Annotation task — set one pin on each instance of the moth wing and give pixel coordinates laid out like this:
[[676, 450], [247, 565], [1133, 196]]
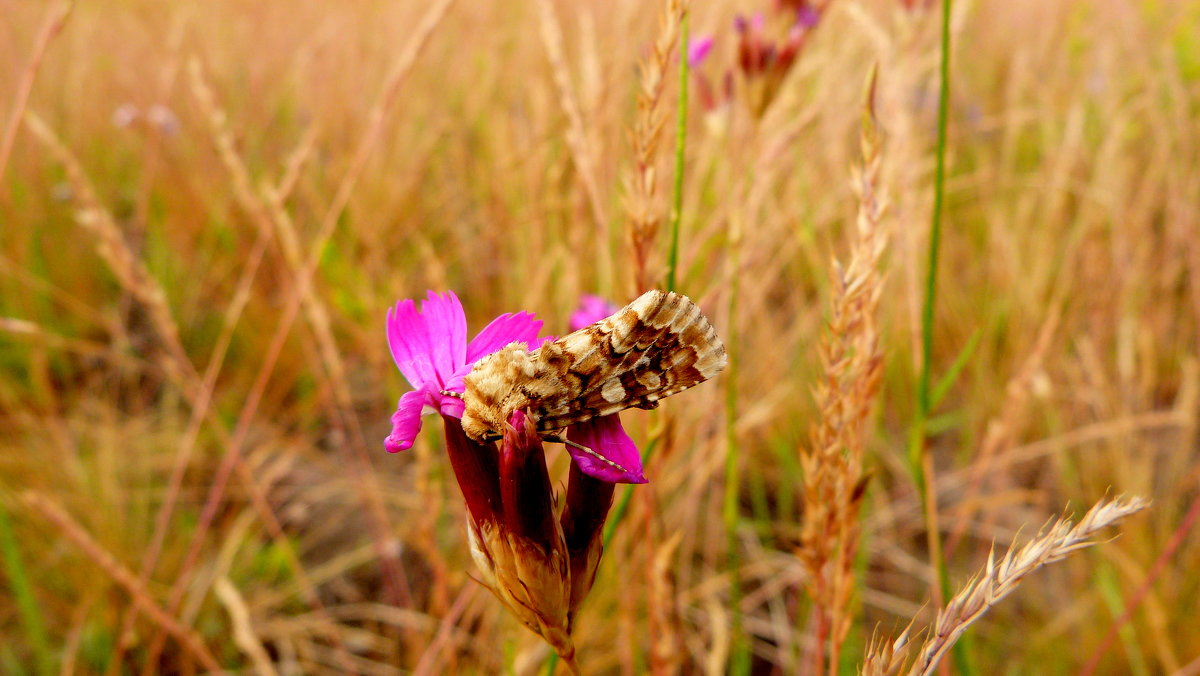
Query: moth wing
[[658, 345]]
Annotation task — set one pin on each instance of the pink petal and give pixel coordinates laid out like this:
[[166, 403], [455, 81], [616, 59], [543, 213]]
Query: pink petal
[[591, 310], [606, 437], [451, 406], [698, 49], [507, 328], [449, 324], [427, 345], [407, 339], [406, 421]]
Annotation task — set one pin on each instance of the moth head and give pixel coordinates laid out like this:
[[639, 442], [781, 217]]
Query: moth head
[[493, 391]]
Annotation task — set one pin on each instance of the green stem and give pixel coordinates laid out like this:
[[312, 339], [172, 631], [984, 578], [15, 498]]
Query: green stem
[[935, 229], [918, 439], [680, 146]]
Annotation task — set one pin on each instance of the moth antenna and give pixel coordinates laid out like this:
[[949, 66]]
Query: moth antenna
[[448, 393], [585, 449]]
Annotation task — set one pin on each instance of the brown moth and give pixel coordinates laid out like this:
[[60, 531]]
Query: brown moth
[[658, 345]]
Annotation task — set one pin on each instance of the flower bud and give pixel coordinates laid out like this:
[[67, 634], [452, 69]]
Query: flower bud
[[523, 553]]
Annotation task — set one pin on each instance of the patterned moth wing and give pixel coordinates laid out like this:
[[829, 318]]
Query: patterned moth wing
[[658, 345]]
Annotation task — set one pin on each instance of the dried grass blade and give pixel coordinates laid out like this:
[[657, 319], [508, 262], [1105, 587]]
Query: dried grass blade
[[999, 579]]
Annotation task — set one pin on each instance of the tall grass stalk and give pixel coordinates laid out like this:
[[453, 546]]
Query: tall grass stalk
[[918, 452], [52, 25], [645, 206], [846, 393], [681, 118]]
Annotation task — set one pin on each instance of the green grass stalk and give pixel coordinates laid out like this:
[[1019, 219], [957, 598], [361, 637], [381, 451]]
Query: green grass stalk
[[918, 450], [31, 615], [680, 146]]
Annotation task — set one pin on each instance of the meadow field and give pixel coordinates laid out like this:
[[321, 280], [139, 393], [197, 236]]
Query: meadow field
[[207, 211]]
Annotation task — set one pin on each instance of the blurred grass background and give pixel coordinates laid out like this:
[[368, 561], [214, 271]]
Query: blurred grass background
[[225, 144]]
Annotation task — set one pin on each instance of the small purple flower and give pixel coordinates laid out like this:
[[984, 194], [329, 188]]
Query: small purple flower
[[807, 16], [430, 348], [698, 49]]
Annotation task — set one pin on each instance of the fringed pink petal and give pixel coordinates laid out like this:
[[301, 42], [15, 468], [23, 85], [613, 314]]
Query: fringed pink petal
[[406, 421], [448, 326], [408, 340], [606, 437], [428, 345]]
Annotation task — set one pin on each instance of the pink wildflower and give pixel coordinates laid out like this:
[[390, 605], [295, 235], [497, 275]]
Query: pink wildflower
[[698, 49], [430, 348]]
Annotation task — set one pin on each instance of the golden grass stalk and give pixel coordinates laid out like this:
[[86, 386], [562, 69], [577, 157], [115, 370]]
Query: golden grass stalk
[[52, 25], [645, 210], [304, 273], [243, 628], [996, 581], [885, 657], [275, 222], [851, 358]]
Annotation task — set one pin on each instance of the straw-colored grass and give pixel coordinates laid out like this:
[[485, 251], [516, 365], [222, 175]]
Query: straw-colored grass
[[207, 208]]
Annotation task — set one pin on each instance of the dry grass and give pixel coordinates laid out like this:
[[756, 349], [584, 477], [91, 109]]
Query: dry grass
[[203, 221], [993, 583]]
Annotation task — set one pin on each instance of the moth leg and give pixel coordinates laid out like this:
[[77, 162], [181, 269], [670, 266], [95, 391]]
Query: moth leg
[[647, 405], [557, 437], [561, 438]]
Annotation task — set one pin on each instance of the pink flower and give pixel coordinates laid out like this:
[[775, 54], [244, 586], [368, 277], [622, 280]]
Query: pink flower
[[698, 49], [430, 348]]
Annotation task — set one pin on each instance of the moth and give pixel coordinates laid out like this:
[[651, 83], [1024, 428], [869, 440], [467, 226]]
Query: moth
[[658, 345]]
